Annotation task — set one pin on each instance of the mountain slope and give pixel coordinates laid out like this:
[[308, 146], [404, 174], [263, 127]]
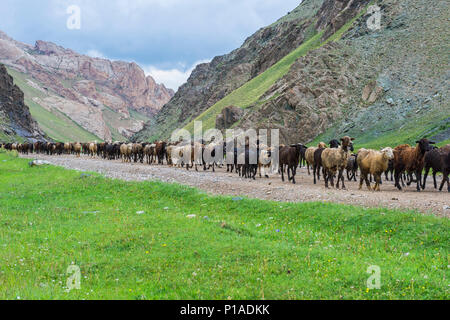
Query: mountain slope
[[82, 89], [16, 122], [345, 79], [212, 81], [383, 87]]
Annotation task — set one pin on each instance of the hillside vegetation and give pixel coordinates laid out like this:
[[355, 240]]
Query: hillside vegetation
[[54, 123], [136, 241], [249, 93], [384, 87]]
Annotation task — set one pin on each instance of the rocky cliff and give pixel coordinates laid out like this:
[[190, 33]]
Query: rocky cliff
[[390, 84], [212, 81], [351, 79], [15, 117], [70, 81]]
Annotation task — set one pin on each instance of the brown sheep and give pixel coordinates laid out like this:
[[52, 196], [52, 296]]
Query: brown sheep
[[137, 152], [67, 148], [170, 150], [93, 149], [335, 160], [161, 151], [77, 149], [125, 152], [375, 163], [445, 171], [411, 160], [309, 155], [150, 153]]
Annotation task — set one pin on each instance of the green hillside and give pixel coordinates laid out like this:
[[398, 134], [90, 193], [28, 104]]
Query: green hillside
[[55, 124], [249, 93], [134, 240]]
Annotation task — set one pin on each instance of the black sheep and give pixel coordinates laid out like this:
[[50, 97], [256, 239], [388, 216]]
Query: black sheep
[[435, 160]]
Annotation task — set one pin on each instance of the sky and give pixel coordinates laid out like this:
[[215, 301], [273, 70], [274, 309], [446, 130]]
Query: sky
[[167, 38]]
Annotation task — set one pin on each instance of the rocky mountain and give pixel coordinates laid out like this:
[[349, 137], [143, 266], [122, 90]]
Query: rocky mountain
[[16, 121], [323, 71], [109, 99], [210, 82], [383, 86]]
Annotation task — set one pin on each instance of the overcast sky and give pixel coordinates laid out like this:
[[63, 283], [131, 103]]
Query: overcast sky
[[167, 38]]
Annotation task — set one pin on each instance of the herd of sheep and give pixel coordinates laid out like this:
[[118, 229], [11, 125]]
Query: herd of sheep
[[405, 163]]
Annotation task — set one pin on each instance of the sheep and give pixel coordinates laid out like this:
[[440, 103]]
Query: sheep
[[150, 152], [177, 155], [170, 149], [126, 151], [190, 155], [309, 155], [160, 151], [318, 158], [317, 163], [138, 152], [67, 148], [110, 151], [375, 163], [435, 159], [334, 160], [289, 157], [390, 170], [101, 150], [445, 158], [245, 158], [411, 160], [334, 144], [210, 151], [93, 149], [352, 167], [266, 163], [303, 155], [77, 149]]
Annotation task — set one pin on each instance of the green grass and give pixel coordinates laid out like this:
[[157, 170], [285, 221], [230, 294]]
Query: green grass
[[51, 217], [248, 94], [55, 124], [7, 138], [138, 116], [406, 132]]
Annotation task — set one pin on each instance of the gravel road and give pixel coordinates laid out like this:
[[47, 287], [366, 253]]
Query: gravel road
[[428, 201]]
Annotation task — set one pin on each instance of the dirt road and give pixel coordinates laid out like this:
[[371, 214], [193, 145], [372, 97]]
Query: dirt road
[[428, 201]]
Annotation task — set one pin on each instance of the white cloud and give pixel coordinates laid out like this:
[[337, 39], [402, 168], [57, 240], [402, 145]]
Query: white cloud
[[95, 54], [171, 78]]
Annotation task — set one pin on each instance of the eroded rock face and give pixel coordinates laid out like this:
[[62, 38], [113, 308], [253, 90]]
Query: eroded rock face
[[126, 81], [229, 116], [368, 84], [15, 117], [90, 83], [304, 109], [210, 82]]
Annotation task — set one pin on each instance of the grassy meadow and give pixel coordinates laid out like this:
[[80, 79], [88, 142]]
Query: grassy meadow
[[138, 240]]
